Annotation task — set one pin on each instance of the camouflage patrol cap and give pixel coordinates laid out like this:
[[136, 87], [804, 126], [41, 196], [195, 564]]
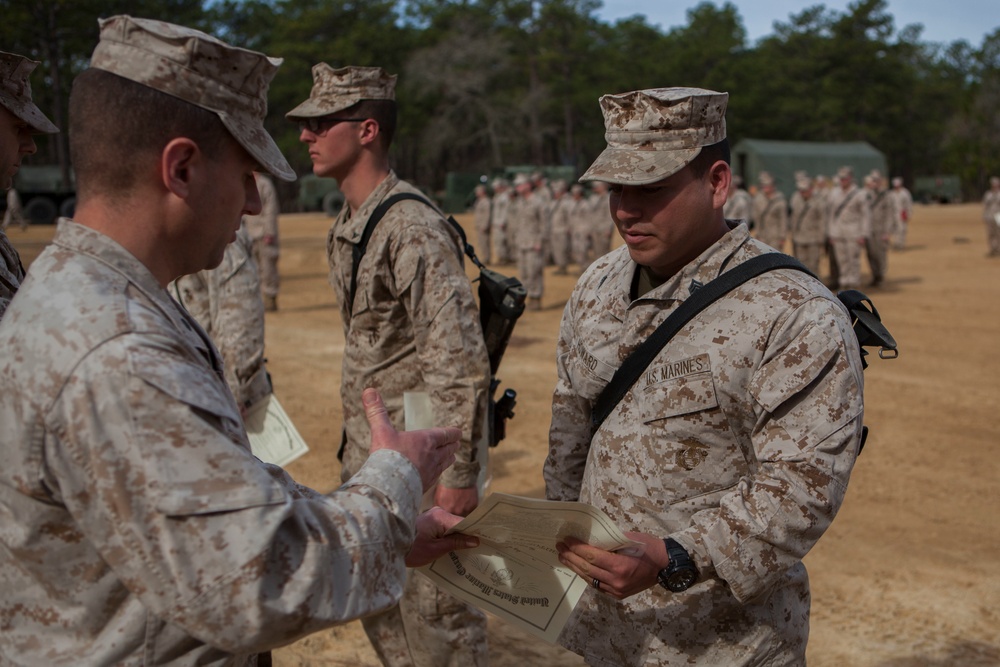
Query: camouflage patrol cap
[[15, 92], [338, 89], [765, 178], [653, 134], [188, 64], [521, 179], [802, 181], [845, 172]]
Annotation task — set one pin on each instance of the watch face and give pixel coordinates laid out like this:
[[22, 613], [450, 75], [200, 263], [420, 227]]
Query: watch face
[[681, 580]]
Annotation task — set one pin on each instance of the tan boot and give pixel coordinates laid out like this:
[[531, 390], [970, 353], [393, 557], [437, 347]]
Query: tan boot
[[270, 304], [534, 303]]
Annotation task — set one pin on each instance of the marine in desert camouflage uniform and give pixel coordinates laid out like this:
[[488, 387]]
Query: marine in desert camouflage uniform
[[413, 326], [481, 220], [739, 205], [991, 216], [770, 213], [849, 226], [883, 221], [737, 442], [563, 212], [808, 222], [903, 204], [528, 216], [502, 251], [20, 120], [138, 528], [601, 226], [263, 231], [226, 302]]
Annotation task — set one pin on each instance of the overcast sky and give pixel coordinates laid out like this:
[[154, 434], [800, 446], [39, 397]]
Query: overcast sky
[[943, 20]]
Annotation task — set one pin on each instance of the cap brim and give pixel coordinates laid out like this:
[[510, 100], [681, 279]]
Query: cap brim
[[31, 115], [261, 146], [634, 167], [316, 108]]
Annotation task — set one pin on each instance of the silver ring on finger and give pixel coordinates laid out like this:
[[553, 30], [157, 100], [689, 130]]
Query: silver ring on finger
[[596, 584]]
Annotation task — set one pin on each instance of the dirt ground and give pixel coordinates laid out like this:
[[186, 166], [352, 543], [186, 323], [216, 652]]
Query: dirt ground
[[909, 574]]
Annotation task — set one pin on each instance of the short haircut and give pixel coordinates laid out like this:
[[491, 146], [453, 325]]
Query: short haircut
[[382, 112], [709, 155], [116, 123]]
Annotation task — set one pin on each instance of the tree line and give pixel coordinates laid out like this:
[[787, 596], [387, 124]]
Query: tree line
[[488, 83]]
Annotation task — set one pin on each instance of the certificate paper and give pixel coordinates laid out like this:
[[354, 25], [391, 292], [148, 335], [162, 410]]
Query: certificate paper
[[515, 572], [273, 437]]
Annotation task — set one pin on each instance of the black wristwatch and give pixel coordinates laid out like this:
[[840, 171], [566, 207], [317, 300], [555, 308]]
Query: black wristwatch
[[680, 573]]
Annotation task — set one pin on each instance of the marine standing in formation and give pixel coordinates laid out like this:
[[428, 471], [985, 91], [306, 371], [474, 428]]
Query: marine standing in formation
[[903, 203], [482, 221], [808, 223], [528, 215], [138, 527], [991, 216], [20, 120], [731, 455], [739, 205], [411, 324], [883, 220], [263, 231], [502, 251], [849, 227], [770, 213]]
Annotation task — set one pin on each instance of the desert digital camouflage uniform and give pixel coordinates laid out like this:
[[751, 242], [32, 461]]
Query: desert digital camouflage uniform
[[737, 441], [883, 221], [15, 97], [563, 213], [601, 224], [14, 213], [739, 206], [112, 400], [138, 528], [849, 224], [903, 205], [527, 216], [414, 327], [808, 223], [11, 272], [481, 219], [991, 216], [770, 214], [502, 250], [263, 231], [748, 413], [226, 302]]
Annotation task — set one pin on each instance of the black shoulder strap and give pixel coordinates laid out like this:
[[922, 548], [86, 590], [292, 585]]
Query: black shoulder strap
[[639, 360], [361, 247]]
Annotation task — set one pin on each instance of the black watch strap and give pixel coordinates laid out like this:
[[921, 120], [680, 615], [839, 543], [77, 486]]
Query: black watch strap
[[680, 573]]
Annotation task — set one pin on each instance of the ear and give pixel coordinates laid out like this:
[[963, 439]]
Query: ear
[[178, 160], [720, 176], [369, 131]]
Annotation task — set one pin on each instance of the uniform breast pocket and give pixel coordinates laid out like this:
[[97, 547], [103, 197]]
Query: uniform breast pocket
[[689, 437]]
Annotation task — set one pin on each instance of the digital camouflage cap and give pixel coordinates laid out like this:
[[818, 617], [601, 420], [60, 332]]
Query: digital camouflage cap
[[338, 89], [653, 134], [15, 92], [188, 64]]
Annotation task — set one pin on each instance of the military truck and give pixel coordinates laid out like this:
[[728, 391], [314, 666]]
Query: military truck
[[43, 195], [941, 189], [320, 194]]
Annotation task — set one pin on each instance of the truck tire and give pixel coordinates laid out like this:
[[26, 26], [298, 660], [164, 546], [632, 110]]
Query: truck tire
[[332, 203], [40, 211], [68, 207]]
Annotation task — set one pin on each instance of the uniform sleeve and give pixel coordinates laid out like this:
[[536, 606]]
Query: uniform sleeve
[[437, 294], [237, 326], [570, 432], [808, 397], [153, 465]]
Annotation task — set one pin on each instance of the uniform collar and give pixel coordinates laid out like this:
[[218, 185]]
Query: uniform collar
[[351, 227]]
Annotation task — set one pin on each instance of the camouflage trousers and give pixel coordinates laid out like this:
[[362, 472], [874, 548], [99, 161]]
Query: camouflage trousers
[[501, 248], [848, 256], [878, 258], [560, 247], [428, 628], [483, 243], [531, 271], [266, 257], [993, 237], [809, 254], [600, 239]]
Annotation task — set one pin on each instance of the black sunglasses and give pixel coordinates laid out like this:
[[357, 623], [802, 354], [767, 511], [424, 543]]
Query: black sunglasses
[[321, 125]]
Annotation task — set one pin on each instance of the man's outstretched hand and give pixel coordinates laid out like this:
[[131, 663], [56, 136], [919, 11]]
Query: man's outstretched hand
[[430, 450]]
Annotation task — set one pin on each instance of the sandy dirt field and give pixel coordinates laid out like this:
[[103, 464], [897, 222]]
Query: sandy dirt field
[[909, 574]]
